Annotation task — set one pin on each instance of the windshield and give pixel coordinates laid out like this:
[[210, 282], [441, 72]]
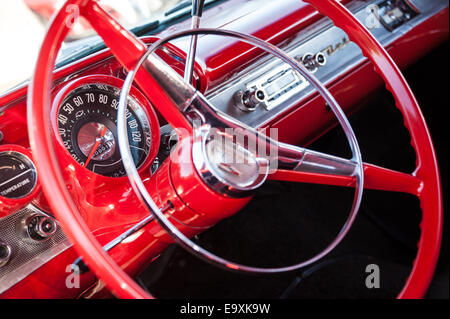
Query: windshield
[[23, 24]]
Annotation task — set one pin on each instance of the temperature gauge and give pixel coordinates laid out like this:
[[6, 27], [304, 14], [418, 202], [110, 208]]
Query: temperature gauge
[[17, 175]]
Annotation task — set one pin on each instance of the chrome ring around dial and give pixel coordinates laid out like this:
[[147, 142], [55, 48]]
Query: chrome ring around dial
[[179, 237]]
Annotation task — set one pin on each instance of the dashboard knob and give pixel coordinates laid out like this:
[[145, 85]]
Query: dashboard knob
[[41, 227], [313, 62], [247, 101], [5, 253]]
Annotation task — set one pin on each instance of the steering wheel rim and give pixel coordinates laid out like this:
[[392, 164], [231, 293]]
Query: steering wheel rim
[[120, 283]]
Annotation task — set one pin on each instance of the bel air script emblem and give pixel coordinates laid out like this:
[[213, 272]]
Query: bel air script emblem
[[330, 50]]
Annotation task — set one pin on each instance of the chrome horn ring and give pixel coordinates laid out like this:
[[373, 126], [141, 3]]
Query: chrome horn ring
[[179, 237]]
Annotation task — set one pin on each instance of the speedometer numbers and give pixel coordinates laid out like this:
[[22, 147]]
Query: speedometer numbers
[[87, 124]]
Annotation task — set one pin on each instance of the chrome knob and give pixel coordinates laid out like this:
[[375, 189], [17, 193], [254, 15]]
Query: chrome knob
[[313, 62], [247, 101], [5, 253], [320, 59], [41, 227]]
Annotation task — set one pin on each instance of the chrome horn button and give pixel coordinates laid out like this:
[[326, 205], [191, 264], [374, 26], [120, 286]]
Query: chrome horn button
[[225, 165]]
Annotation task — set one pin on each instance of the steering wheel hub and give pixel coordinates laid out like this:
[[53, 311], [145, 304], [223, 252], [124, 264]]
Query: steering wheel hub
[[225, 164]]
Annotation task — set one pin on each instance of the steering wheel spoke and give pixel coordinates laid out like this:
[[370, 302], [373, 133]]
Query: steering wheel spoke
[[308, 161], [375, 177], [380, 178]]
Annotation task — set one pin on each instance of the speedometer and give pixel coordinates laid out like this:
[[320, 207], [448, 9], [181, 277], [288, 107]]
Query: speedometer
[[87, 124]]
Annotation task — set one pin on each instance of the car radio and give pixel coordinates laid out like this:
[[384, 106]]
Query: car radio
[[278, 85]]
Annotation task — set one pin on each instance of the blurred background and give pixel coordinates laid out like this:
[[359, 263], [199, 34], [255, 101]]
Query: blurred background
[[23, 24]]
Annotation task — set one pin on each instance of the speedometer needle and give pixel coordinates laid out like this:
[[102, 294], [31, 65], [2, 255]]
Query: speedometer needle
[[96, 145]]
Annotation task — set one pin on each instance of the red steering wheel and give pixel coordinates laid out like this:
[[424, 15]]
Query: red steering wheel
[[424, 182]]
